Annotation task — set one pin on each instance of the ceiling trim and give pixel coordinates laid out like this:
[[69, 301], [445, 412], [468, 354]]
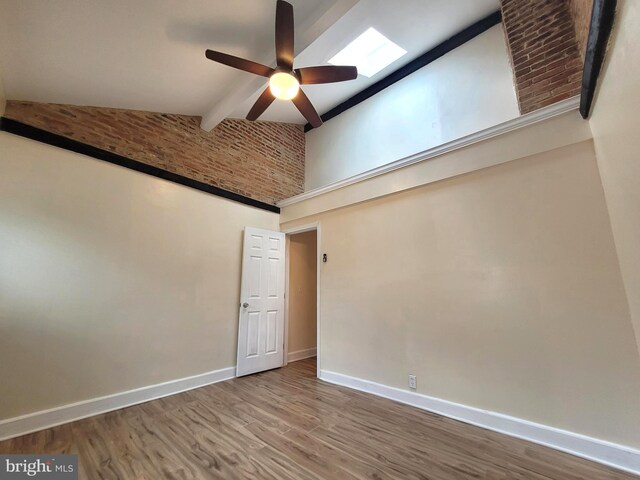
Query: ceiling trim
[[27, 131], [540, 115], [426, 58], [602, 19]]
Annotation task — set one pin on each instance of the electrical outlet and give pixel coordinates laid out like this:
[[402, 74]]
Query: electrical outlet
[[413, 382]]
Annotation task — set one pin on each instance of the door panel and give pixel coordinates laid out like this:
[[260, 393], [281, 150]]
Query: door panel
[[261, 325]]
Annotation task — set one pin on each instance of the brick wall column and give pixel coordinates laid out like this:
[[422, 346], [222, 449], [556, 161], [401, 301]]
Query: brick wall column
[[544, 52], [581, 14]]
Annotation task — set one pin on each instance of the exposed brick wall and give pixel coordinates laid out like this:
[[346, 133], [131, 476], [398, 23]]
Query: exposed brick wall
[[261, 160], [580, 11], [544, 53]]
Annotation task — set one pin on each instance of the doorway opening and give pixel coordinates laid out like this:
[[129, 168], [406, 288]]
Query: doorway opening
[[302, 266]]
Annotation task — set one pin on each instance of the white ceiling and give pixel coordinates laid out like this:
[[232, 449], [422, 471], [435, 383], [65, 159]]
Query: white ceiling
[[149, 54]]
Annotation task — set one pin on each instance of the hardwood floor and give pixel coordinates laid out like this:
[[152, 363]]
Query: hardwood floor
[[286, 424]]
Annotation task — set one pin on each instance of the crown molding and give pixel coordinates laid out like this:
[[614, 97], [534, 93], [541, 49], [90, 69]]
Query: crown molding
[[560, 108]]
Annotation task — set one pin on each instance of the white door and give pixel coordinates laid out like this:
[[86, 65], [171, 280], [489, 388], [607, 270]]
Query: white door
[[261, 326]]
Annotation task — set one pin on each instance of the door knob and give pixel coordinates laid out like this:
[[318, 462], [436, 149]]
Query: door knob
[[245, 305]]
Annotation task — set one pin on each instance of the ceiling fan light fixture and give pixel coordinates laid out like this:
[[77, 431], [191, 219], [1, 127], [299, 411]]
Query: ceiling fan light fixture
[[284, 81], [283, 85]]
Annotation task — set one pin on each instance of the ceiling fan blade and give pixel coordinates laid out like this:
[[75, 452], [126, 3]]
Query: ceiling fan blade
[[284, 35], [239, 63], [303, 104], [326, 74], [263, 102]]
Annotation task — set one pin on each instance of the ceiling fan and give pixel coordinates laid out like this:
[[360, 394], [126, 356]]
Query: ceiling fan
[[284, 81]]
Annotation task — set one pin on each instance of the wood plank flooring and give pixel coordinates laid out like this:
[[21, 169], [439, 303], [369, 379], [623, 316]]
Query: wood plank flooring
[[286, 424]]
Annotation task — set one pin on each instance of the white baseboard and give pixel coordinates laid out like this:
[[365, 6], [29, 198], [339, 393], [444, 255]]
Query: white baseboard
[[607, 453], [301, 354], [32, 422]]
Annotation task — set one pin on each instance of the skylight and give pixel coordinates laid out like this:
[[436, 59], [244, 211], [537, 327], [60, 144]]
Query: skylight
[[370, 52]]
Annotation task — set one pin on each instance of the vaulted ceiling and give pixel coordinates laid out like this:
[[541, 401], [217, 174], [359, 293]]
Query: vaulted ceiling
[[149, 54]]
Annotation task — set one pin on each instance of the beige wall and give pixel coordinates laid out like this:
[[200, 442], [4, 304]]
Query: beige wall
[[616, 131], [110, 279], [500, 289], [303, 269]]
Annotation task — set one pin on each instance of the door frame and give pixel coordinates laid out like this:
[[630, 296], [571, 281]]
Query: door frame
[[309, 227]]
